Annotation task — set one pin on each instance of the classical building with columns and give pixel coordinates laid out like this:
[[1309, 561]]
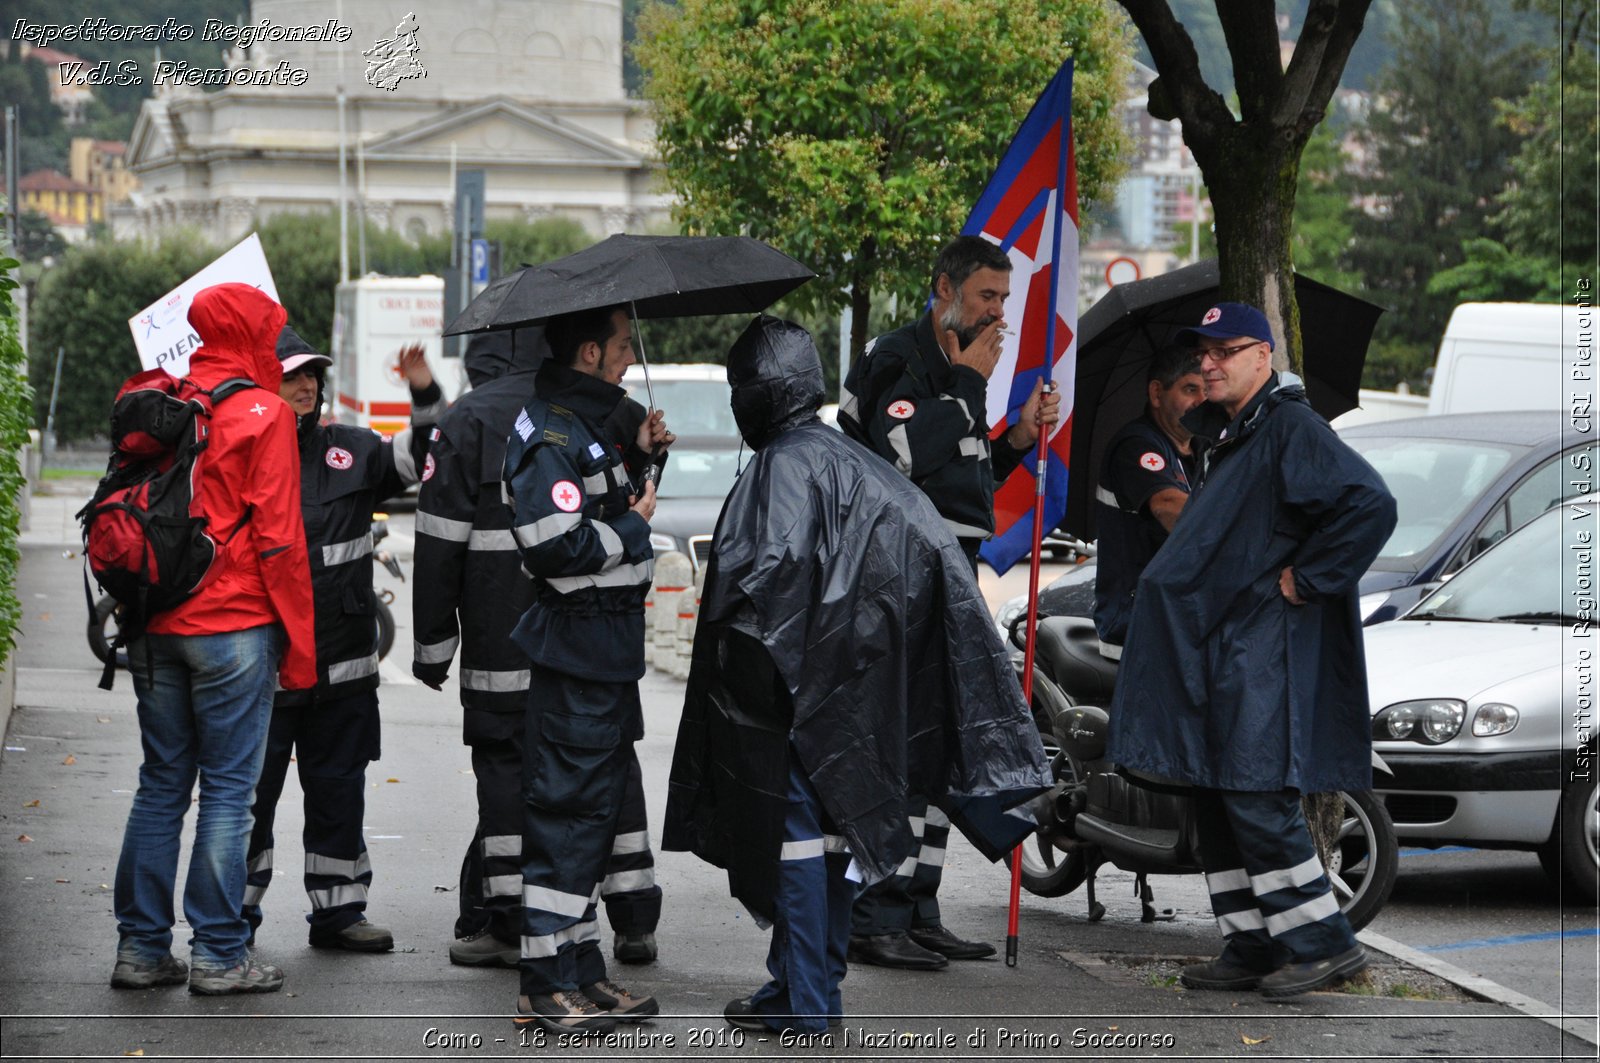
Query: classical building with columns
[[529, 91]]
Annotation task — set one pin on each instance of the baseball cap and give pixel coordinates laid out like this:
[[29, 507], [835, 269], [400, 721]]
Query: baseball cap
[[294, 352], [1224, 321]]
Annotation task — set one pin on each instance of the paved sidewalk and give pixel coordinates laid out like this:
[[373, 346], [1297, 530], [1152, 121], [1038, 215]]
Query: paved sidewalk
[[1081, 989]]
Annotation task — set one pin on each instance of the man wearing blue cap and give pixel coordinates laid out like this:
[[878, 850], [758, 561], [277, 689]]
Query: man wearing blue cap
[[1251, 681]]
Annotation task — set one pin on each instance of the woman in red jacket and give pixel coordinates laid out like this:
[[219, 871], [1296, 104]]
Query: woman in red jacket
[[206, 699]]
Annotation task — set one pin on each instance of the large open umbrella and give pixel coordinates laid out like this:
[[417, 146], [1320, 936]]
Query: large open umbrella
[[1118, 335], [655, 276]]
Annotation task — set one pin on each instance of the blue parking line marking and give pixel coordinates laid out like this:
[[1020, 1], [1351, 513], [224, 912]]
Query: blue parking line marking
[[1434, 852], [1513, 939]]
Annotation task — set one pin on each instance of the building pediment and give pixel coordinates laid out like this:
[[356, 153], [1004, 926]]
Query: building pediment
[[152, 137], [501, 130]]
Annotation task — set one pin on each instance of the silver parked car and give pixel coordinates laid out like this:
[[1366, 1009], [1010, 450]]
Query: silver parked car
[[1483, 701]]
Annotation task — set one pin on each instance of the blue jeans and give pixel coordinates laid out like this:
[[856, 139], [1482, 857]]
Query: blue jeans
[[204, 705]]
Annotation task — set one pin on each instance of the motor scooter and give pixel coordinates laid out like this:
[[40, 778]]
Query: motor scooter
[[1097, 813], [106, 619]]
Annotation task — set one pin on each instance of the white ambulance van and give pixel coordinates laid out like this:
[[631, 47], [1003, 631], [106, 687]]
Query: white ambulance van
[[373, 318]]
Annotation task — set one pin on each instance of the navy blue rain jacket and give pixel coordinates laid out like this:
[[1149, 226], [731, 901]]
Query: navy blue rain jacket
[[1224, 683]]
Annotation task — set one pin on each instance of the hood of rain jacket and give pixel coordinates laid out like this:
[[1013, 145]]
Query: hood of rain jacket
[[250, 485]]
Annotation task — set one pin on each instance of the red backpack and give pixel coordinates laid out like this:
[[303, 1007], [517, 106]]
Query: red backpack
[[146, 536]]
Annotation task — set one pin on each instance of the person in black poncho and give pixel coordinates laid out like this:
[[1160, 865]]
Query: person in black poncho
[[844, 662]]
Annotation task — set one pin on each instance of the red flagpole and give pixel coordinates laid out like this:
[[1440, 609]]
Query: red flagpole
[[1041, 463], [1013, 916]]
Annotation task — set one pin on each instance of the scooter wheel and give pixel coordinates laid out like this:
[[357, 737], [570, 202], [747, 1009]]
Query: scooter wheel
[[103, 627], [384, 629], [1048, 872]]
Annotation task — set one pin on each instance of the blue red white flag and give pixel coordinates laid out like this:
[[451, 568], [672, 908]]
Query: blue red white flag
[[1030, 208]]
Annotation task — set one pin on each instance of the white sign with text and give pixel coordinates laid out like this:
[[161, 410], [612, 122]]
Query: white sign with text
[[161, 331]]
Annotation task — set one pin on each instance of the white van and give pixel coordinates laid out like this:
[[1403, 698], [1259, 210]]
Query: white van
[[373, 318], [1504, 356]]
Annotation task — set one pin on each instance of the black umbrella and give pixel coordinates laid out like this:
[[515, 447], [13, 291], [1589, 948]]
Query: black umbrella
[[656, 276], [1118, 335]]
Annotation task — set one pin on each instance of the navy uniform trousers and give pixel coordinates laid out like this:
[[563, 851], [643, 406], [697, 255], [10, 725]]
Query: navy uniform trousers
[[577, 759], [331, 742], [1268, 889], [491, 871], [910, 897], [811, 925]]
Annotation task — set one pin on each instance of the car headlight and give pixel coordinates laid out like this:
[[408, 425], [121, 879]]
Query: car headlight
[[662, 544], [1494, 718], [1429, 722], [1007, 615]]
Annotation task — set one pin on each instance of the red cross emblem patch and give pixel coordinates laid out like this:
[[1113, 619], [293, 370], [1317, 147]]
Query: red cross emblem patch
[[566, 496], [427, 469], [900, 410], [339, 458], [1211, 315], [1152, 461]]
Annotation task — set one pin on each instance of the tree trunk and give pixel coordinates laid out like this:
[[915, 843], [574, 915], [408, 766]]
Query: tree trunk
[[862, 266], [1254, 208]]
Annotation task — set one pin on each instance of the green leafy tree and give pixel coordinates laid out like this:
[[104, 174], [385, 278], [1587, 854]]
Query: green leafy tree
[[25, 84], [1491, 272], [1324, 219], [15, 420], [1251, 160], [1439, 158], [82, 308], [1546, 212], [530, 243], [37, 239], [856, 137]]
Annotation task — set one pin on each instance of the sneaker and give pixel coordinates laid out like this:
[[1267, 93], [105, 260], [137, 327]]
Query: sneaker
[[483, 949], [634, 948], [131, 974], [563, 1011], [247, 977], [623, 1005], [357, 937]]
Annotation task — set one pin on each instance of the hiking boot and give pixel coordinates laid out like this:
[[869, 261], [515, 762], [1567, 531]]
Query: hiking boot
[[247, 977], [357, 937], [483, 949], [634, 948], [1220, 973], [563, 1011], [1292, 979], [623, 1005], [131, 974], [937, 939]]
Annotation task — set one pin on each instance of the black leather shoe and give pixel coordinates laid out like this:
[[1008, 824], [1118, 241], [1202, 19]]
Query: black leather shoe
[[1293, 979], [893, 950], [742, 1014], [938, 939], [1220, 973]]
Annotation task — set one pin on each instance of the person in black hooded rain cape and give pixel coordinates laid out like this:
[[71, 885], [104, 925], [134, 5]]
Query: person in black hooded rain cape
[[843, 661], [1244, 672]]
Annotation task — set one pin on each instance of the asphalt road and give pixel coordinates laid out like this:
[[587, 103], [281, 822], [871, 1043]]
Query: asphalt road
[[1081, 990]]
